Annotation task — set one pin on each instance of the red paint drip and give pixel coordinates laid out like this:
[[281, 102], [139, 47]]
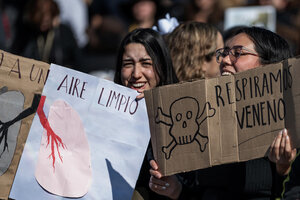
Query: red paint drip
[[55, 139]]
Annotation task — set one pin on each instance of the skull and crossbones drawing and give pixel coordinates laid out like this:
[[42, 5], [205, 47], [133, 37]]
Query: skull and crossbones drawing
[[184, 121]]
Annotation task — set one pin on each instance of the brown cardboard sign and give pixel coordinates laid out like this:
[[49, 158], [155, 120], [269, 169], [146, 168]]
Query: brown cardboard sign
[[21, 82], [235, 118]]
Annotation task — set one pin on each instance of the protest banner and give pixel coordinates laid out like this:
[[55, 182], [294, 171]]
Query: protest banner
[[234, 118], [21, 83], [261, 16], [87, 140]]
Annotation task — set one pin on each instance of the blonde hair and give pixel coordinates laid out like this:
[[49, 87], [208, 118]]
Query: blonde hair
[[190, 44]]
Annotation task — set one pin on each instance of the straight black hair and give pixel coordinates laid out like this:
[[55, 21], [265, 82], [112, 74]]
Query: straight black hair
[[270, 47], [157, 50]]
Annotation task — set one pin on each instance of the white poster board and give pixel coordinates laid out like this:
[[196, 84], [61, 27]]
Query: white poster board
[[87, 140], [262, 16]]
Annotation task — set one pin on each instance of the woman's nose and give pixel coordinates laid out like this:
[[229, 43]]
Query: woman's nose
[[137, 71], [226, 60]]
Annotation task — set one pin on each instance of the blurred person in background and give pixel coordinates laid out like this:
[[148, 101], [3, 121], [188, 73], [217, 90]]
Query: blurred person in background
[[74, 13], [15, 11], [192, 47], [141, 13], [287, 20], [207, 11], [5, 27], [48, 39], [105, 31]]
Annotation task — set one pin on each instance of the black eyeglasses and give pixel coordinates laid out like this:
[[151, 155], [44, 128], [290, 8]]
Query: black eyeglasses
[[234, 53]]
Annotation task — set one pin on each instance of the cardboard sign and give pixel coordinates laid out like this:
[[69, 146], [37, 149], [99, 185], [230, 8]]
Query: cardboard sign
[[235, 118], [21, 83], [87, 140], [262, 16]]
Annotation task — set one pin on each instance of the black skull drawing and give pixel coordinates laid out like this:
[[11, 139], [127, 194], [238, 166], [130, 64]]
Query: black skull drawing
[[184, 121]]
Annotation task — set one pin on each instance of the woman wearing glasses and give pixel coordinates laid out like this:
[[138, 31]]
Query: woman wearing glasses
[[250, 48], [262, 178]]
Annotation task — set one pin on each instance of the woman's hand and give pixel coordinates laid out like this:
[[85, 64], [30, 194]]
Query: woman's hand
[[168, 185], [140, 96], [281, 152]]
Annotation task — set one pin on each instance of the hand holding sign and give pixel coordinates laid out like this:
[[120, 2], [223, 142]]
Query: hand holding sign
[[167, 186], [281, 152]]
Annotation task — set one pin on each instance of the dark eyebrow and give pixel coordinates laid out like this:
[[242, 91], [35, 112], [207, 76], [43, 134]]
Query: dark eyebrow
[[127, 59], [145, 59], [233, 47], [237, 46]]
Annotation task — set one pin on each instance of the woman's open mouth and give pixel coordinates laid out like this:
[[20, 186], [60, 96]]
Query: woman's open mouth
[[227, 73], [137, 86]]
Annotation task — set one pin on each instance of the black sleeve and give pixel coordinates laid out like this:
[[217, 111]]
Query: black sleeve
[[149, 153], [291, 185], [190, 185]]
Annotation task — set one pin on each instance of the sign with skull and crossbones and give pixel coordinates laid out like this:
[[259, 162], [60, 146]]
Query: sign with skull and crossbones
[[184, 120]]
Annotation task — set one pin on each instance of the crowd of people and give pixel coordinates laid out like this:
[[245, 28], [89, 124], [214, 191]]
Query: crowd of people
[[88, 41], [110, 34], [141, 68], [248, 48], [196, 48]]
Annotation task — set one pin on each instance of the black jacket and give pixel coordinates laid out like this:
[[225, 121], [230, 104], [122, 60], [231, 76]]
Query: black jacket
[[254, 179], [291, 189]]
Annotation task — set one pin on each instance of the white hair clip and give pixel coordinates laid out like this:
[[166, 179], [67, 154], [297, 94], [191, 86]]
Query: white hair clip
[[166, 25]]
